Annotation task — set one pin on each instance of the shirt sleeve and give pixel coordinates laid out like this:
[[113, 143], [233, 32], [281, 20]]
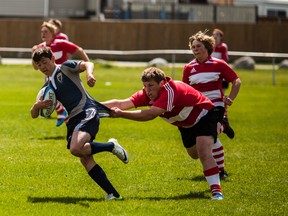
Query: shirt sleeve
[[140, 99]]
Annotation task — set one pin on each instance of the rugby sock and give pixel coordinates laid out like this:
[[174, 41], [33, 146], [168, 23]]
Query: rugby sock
[[97, 147], [218, 154], [99, 176], [59, 108], [213, 179]]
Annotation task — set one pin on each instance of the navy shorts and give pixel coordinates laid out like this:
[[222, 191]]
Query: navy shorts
[[207, 126], [87, 121]]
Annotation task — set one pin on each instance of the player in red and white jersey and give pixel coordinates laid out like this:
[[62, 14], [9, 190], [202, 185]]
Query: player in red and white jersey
[[207, 77], [181, 105], [58, 34], [61, 49], [220, 48], [205, 73]]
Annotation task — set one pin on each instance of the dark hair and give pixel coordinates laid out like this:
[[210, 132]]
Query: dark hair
[[42, 52], [153, 73]]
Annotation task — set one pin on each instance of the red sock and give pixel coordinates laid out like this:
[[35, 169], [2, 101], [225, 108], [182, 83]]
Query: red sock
[[59, 108], [218, 154]]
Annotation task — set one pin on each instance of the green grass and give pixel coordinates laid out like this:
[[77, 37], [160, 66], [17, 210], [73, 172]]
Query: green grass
[[40, 177]]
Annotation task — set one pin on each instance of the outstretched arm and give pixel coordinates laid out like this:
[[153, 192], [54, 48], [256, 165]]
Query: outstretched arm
[[138, 115], [121, 104]]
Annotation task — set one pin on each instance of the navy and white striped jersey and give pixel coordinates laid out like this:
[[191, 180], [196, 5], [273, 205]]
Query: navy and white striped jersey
[[69, 88]]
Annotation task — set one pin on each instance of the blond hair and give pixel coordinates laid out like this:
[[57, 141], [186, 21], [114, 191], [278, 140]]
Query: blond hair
[[202, 37]]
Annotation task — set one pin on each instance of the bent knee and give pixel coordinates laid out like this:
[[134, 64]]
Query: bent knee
[[75, 151]]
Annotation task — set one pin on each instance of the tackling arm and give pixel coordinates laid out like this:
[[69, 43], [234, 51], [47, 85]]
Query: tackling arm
[[138, 115]]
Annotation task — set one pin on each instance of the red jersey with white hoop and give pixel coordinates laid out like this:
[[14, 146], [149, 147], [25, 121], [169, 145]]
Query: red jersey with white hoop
[[183, 104], [61, 49], [221, 52], [207, 77]]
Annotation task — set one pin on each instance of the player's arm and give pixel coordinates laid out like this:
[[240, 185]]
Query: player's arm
[[89, 68], [138, 115], [234, 92], [40, 104], [121, 104], [81, 54]]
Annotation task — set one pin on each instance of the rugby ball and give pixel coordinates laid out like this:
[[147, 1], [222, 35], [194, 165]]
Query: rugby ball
[[48, 94]]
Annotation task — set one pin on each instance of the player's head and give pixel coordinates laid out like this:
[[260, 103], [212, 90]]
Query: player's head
[[206, 40], [44, 60], [153, 79], [48, 31], [153, 73], [218, 35], [56, 23], [40, 53]]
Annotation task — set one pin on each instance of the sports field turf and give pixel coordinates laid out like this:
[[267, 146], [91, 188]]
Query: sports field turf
[[40, 177]]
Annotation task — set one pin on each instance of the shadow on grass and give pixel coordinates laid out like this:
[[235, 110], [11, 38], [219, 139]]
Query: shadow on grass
[[65, 200], [196, 178], [191, 195], [82, 200], [51, 138]]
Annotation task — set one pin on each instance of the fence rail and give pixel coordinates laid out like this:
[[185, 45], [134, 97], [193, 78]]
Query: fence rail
[[172, 52]]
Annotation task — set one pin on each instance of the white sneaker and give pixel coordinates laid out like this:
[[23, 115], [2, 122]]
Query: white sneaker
[[119, 151], [217, 196], [112, 197]]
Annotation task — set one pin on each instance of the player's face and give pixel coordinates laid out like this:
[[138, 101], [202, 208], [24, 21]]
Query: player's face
[[199, 50], [46, 66], [152, 89], [217, 37], [46, 35]]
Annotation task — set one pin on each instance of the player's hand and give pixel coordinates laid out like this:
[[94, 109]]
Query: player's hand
[[91, 80], [115, 112], [227, 100]]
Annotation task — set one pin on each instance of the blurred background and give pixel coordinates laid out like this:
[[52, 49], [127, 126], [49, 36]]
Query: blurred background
[[248, 25]]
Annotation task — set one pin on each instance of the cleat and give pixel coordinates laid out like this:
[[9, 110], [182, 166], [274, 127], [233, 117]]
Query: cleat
[[63, 117], [217, 196], [223, 174], [227, 129], [119, 151], [112, 197]]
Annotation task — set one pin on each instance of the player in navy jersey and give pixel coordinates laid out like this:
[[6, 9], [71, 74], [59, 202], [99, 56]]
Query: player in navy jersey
[[83, 110], [180, 105], [205, 74], [61, 50]]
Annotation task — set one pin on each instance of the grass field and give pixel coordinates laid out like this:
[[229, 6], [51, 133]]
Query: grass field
[[40, 177]]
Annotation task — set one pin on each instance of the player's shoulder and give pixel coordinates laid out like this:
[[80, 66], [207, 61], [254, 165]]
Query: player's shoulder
[[70, 64], [191, 64]]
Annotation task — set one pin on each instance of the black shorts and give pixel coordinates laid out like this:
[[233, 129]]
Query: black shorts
[[207, 126], [87, 121]]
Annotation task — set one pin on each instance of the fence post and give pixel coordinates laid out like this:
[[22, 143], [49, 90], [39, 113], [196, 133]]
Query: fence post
[[173, 65], [273, 71]]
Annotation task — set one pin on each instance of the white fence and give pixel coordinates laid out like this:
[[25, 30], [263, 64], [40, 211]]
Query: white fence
[[172, 52]]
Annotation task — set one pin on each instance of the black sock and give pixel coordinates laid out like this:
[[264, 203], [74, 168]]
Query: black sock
[[99, 147], [99, 176]]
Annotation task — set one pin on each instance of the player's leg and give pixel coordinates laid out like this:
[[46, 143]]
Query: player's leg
[[80, 147], [192, 152], [62, 114], [99, 176], [210, 168], [218, 154]]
